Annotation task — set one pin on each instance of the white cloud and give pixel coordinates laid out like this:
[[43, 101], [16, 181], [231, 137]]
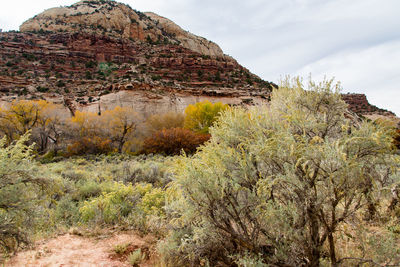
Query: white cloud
[[373, 70]]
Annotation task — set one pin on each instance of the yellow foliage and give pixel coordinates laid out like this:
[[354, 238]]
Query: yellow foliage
[[201, 116], [85, 122], [160, 122], [24, 115], [115, 125]]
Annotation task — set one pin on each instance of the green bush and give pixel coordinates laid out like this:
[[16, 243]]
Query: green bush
[[136, 257], [22, 194], [117, 201], [66, 212], [111, 206], [277, 182], [87, 189]]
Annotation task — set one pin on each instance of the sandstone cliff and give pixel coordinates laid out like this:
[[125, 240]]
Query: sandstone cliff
[[117, 20], [80, 70], [95, 55]]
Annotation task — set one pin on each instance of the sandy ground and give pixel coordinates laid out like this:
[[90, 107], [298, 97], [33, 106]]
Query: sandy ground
[[72, 250]]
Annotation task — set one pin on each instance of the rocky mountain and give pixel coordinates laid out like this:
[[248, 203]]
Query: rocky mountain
[[95, 55]]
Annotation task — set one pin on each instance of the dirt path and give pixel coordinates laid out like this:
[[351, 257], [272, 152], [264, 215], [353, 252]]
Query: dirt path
[[72, 250]]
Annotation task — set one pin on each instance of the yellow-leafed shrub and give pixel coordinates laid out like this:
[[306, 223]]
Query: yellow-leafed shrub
[[201, 116]]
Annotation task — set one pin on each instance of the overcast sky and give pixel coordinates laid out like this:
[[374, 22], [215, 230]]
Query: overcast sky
[[356, 41]]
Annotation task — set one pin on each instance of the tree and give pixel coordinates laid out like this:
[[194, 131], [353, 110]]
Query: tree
[[276, 182], [89, 134], [20, 117], [42, 117], [115, 126], [121, 123], [158, 122], [201, 116], [49, 127], [85, 123]]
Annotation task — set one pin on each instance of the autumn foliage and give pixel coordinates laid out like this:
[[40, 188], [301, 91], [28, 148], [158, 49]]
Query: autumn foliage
[[39, 116], [167, 120], [89, 145], [118, 130], [96, 134], [172, 141], [201, 116]]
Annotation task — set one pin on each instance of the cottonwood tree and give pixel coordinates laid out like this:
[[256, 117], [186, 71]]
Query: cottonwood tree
[[20, 117], [276, 182], [49, 127], [41, 117], [201, 116], [121, 122], [96, 133], [88, 134], [158, 122]]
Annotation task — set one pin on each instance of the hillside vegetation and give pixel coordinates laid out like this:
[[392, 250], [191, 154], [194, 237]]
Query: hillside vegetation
[[300, 182]]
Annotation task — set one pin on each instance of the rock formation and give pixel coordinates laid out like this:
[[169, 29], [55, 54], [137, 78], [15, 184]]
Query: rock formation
[[120, 21], [99, 54]]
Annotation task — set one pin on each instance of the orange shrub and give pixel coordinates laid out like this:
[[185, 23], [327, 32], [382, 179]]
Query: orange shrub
[[168, 120], [172, 141], [89, 145]]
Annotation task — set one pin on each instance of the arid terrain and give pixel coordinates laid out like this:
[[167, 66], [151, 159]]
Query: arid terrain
[[129, 141], [71, 249]]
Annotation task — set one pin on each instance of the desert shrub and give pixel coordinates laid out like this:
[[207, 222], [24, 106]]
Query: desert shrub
[[90, 64], [135, 257], [121, 248], [397, 138], [159, 122], [152, 202], [248, 260], [201, 116], [110, 207], [173, 141], [86, 189], [149, 171], [73, 175], [366, 245], [90, 145], [117, 201], [67, 211], [21, 193], [277, 182]]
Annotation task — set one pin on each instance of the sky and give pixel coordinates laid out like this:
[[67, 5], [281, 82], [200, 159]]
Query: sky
[[356, 42]]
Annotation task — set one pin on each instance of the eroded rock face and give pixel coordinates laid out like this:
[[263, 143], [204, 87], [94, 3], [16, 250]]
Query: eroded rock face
[[96, 55], [359, 104], [82, 68], [120, 21]]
